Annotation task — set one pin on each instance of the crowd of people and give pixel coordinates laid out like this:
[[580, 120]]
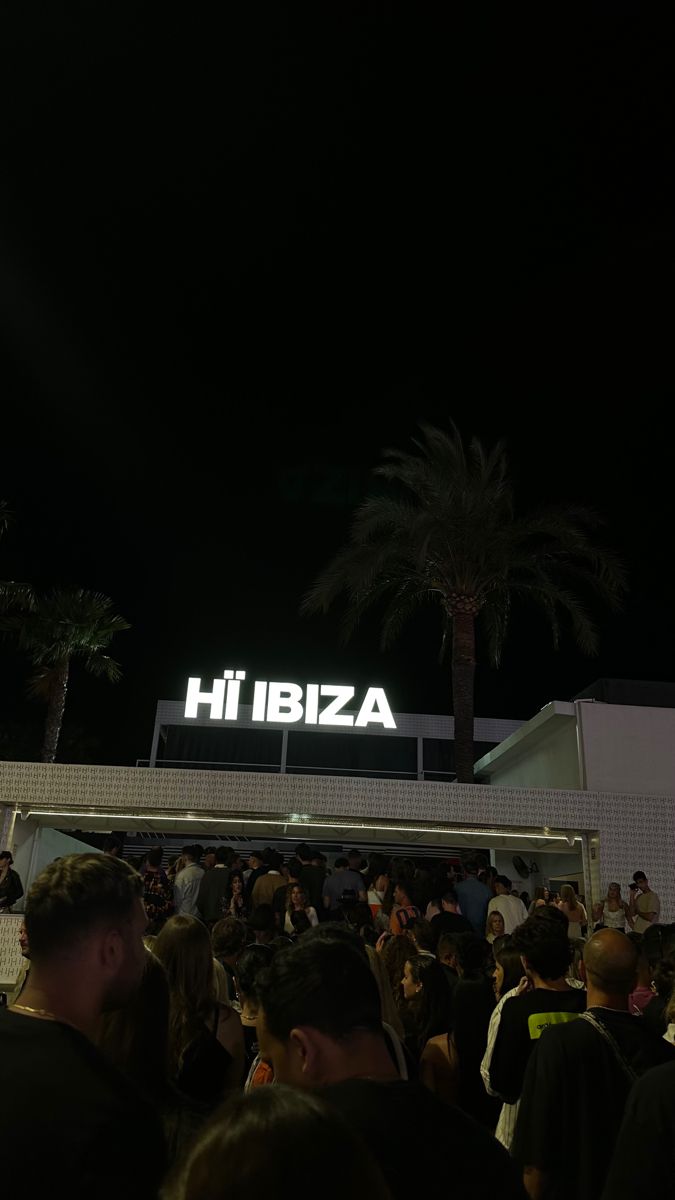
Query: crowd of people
[[187, 1030]]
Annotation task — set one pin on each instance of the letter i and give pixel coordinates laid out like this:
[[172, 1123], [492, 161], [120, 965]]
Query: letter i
[[312, 704], [233, 689], [259, 700]]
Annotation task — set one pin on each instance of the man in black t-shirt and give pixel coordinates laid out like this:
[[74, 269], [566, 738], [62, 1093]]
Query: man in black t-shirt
[[62, 1107], [545, 952], [320, 1026], [644, 1158], [311, 877], [449, 920], [579, 1078]]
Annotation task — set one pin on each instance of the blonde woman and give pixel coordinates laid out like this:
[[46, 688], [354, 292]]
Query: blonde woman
[[574, 910], [613, 911], [495, 926]]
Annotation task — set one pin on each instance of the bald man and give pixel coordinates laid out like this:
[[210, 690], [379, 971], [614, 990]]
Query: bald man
[[579, 1077]]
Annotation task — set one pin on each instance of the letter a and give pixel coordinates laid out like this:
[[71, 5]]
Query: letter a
[[375, 710]]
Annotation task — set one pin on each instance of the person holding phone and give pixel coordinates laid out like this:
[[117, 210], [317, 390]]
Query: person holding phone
[[645, 906]]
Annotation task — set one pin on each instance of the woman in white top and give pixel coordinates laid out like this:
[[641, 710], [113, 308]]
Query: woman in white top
[[297, 902], [613, 911], [574, 911]]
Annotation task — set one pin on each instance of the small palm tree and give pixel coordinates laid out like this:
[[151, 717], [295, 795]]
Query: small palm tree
[[446, 530], [63, 625]]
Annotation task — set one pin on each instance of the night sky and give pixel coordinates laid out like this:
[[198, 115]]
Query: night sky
[[241, 253]]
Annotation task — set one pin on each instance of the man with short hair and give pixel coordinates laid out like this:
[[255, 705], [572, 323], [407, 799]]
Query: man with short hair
[[579, 1077], [266, 885], [320, 1026], [511, 907], [209, 858], [256, 868], [343, 886], [644, 907], [474, 898], [187, 884], [449, 919], [63, 1107], [112, 846], [404, 911], [311, 876], [545, 953], [213, 888], [355, 860]]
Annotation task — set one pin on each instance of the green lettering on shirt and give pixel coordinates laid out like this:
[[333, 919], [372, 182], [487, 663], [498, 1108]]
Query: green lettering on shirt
[[538, 1022]]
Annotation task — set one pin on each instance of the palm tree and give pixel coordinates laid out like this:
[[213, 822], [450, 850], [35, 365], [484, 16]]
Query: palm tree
[[445, 529], [63, 625]]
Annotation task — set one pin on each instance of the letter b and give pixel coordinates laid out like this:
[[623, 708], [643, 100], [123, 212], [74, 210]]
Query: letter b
[[284, 702]]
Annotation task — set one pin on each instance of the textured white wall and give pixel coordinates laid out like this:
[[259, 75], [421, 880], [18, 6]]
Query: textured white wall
[[627, 748], [634, 831]]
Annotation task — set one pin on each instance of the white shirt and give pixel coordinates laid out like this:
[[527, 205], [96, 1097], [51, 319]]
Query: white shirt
[[186, 889], [512, 909]]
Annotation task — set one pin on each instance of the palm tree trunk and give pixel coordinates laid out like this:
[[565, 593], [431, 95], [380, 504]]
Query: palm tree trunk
[[55, 710], [463, 671]]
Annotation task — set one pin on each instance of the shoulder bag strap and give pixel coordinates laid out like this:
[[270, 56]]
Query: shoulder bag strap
[[611, 1042]]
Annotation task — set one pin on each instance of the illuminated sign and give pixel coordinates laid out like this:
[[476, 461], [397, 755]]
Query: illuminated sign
[[288, 703]]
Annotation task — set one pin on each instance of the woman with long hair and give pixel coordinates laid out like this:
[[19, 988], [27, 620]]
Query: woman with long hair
[[495, 927], [297, 902], [574, 910], [508, 968], [612, 912], [426, 1002], [237, 905], [135, 1040], [206, 1045]]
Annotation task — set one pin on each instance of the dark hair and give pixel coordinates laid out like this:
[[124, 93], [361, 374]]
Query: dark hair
[[504, 881], [75, 894], [303, 852], [431, 1007], [449, 896], [658, 946], [552, 915], [6, 854], [545, 947], [228, 937], [210, 850], [355, 854], [420, 929], [253, 961], [112, 843], [239, 1151], [222, 854], [473, 953], [638, 875], [135, 1038], [341, 862], [322, 983], [188, 852], [447, 944], [294, 867], [272, 859], [154, 857], [508, 957], [333, 931], [198, 850], [183, 946]]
